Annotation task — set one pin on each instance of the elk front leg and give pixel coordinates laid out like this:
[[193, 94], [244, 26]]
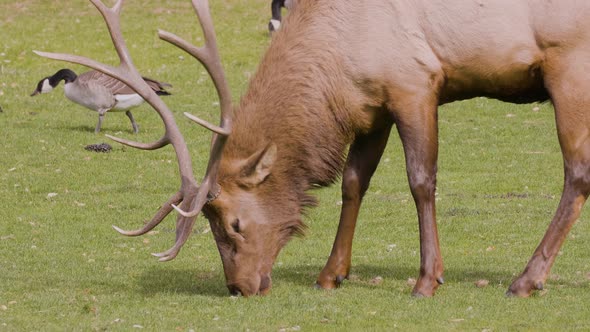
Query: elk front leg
[[569, 91], [363, 158], [418, 130]]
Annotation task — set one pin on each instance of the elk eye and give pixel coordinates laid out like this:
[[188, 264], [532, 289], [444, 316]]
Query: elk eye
[[235, 225]]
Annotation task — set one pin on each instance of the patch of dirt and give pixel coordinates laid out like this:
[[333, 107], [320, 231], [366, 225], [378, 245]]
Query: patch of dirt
[[102, 147]]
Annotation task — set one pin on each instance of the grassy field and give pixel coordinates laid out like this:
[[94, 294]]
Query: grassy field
[[62, 267]]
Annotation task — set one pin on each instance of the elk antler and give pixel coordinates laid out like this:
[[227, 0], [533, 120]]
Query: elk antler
[[193, 197], [208, 55]]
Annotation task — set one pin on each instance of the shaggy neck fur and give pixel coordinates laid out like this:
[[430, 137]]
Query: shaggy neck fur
[[297, 101]]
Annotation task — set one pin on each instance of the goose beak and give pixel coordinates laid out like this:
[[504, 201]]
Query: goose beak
[[36, 92]]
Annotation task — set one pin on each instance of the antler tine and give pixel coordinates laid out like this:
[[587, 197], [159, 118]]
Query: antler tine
[[204, 189], [109, 70], [160, 215], [182, 235], [208, 56], [214, 66], [111, 17], [199, 54], [142, 146], [212, 127], [184, 230]]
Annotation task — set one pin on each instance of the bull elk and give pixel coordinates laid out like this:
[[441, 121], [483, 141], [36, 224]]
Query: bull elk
[[340, 74]]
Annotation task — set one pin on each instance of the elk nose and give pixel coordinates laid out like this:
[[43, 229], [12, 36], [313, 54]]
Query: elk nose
[[234, 290], [265, 284]]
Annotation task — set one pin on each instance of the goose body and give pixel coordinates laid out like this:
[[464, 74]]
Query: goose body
[[98, 92]]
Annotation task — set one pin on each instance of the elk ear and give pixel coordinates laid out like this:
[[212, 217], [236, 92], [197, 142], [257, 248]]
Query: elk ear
[[258, 166]]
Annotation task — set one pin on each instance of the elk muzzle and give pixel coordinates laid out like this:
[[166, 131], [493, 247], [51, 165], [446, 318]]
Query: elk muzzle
[[258, 285]]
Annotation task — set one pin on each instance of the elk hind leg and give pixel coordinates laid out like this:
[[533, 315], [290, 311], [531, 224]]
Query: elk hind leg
[[363, 158], [569, 88]]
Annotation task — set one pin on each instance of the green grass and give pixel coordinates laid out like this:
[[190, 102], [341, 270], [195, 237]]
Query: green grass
[[62, 267]]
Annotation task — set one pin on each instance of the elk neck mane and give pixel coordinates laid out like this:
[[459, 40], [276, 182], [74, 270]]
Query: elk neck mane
[[296, 101]]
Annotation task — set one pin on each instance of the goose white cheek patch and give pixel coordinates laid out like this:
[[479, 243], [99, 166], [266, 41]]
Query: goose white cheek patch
[[276, 24], [46, 87]]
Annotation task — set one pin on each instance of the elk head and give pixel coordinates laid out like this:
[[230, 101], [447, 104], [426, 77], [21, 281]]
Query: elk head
[[230, 193]]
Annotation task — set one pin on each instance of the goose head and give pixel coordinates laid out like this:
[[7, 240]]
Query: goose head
[[49, 83], [43, 87]]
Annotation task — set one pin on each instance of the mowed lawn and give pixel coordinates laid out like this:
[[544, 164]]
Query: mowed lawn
[[63, 268]]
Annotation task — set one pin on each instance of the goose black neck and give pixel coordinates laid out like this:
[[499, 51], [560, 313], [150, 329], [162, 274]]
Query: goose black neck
[[63, 74]]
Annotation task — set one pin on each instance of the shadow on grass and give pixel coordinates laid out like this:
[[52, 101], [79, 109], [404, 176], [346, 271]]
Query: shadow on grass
[[81, 128], [363, 274], [89, 128], [192, 281], [189, 281]]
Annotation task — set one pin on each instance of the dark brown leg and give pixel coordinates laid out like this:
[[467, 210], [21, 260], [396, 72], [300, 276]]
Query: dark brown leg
[[133, 124], [363, 158], [418, 130], [569, 88]]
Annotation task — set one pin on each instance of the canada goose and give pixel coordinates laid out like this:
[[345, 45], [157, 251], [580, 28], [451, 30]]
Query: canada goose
[[98, 92], [275, 21]]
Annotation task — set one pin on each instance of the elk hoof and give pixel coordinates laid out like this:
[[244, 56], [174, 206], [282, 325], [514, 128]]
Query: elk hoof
[[440, 280], [514, 292], [421, 294], [426, 287], [330, 283], [418, 295], [317, 285], [524, 287]]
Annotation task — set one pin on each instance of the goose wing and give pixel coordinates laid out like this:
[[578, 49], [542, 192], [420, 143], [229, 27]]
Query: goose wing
[[97, 78], [117, 87]]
